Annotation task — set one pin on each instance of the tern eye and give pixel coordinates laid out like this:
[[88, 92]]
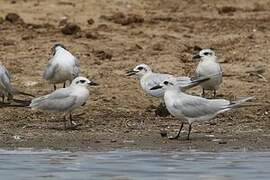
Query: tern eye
[[206, 53], [82, 81], [166, 82], [140, 68]]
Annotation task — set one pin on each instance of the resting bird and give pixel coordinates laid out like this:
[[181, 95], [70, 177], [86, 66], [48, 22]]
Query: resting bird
[[193, 108], [208, 66], [65, 99], [62, 67], [6, 89], [148, 79]]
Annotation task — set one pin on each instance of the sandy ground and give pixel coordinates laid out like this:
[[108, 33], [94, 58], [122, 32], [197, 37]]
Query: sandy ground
[[116, 35]]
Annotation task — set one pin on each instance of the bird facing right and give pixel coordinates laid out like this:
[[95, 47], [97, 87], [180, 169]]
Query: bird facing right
[[62, 67], [208, 66], [65, 99]]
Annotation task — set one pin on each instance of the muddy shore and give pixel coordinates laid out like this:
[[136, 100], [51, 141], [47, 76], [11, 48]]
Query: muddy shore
[[110, 37]]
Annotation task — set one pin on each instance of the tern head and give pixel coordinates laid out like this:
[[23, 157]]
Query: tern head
[[57, 47], [139, 70], [206, 54], [83, 82]]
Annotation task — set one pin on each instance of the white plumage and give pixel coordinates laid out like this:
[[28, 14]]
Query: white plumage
[[193, 108], [208, 66], [64, 99], [62, 67]]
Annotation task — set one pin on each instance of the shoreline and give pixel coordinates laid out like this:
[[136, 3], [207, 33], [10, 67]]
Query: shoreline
[[110, 38]]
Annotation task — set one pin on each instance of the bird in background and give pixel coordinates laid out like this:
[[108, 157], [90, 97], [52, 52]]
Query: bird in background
[[62, 66], [193, 108], [6, 88], [149, 79], [208, 66], [65, 100]]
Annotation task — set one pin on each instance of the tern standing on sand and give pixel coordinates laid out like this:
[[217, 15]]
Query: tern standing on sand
[[208, 66], [62, 67], [193, 108], [65, 99], [6, 89], [149, 79]]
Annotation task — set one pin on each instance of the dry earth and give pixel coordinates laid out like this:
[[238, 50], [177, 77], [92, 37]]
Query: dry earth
[[113, 36]]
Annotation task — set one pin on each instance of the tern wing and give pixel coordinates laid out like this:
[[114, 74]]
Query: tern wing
[[50, 70], [5, 80], [154, 80], [76, 68], [196, 107], [59, 101]]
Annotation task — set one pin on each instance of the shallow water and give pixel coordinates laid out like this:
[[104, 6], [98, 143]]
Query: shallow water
[[123, 165]]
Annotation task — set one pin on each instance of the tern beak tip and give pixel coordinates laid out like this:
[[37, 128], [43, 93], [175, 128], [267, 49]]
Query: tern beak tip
[[93, 83], [131, 72], [196, 56], [156, 87]]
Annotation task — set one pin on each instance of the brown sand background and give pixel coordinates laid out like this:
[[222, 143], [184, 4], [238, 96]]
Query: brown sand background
[[116, 35]]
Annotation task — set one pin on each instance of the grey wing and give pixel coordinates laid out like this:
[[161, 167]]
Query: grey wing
[[6, 72], [59, 101], [76, 68], [221, 73], [50, 70], [194, 107], [5, 80], [183, 80], [155, 80]]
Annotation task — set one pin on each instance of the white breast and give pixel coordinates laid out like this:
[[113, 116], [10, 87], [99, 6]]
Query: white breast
[[66, 64], [208, 68], [82, 95]]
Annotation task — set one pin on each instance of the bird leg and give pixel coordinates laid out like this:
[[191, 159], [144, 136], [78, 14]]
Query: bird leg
[[64, 85], [65, 122], [3, 98], [215, 93], [203, 93], [54, 86], [70, 120], [189, 130], [178, 134]]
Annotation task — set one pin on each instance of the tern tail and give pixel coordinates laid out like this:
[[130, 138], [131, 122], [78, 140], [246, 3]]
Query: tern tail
[[23, 103], [239, 103], [3, 105], [23, 93]]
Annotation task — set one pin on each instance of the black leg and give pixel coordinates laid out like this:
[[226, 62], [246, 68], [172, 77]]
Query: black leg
[[203, 92], [178, 134], [3, 98], [64, 85], [215, 93], [54, 86], [189, 130], [70, 120], [65, 122]]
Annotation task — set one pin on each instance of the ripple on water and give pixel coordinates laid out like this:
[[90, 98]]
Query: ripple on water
[[48, 164]]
